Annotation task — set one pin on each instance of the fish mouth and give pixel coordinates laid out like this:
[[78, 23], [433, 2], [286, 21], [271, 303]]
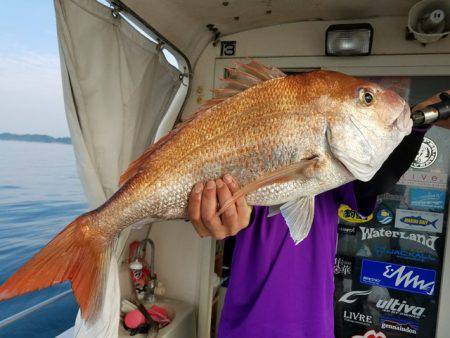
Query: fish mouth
[[404, 122]]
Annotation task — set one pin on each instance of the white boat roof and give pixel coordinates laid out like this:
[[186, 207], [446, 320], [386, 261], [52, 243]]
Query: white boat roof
[[184, 23]]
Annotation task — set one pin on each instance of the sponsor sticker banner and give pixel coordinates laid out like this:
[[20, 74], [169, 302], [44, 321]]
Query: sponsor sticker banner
[[343, 266], [427, 154], [384, 251], [419, 220], [391, 197], [357, 318], [349, 215], [352, 296], [384, 216], [345, 229], [371, 334], [399, 325], [397, 307], [427, 199], [391, 306], [399, 277], [425, 179], [398, 252], [369, 233]]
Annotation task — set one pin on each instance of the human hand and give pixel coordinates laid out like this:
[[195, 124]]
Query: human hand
[[206, 200]]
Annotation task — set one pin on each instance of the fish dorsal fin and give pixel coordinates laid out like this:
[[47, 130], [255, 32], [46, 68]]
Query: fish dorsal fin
[[140, 162], [240, 78]]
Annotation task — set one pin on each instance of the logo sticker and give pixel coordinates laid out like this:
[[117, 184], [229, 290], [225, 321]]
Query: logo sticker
[[346, 229], [424, 179], [357, 318], [399, 277], [384, 216], [427, 154], [391, 306], [343, 266], [426, 240], [391, 197], [427, 199], [383, 251], [349, 215], [352, 296], [396, 307], [419, 220], [400, 325], [371, 334]]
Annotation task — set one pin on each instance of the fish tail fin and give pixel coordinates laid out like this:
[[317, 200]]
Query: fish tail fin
[[76, 254]]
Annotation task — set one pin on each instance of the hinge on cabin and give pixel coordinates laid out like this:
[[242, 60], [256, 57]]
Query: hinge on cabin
[[160, 45], [184, 75], [216, 33], [115, 10]]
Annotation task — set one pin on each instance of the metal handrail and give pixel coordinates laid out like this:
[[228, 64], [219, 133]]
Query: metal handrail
[[26, 312]]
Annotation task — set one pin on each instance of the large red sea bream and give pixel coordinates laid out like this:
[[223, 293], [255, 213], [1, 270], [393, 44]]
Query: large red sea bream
[[284, 138]]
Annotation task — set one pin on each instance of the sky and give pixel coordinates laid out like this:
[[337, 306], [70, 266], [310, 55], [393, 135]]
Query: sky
[[31, 99]]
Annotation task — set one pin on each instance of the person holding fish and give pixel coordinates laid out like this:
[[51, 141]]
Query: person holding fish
[[293, 147], [277, 288]]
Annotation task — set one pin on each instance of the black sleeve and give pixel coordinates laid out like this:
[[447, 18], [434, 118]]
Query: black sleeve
[[393, 168]]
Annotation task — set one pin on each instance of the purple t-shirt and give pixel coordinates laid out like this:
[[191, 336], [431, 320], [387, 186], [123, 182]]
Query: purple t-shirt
[[279, 289]]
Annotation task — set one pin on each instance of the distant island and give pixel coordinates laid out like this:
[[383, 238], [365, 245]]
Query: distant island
[[34, 138]]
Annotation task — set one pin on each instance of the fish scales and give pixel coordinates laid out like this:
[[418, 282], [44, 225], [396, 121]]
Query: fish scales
[[266, 124]]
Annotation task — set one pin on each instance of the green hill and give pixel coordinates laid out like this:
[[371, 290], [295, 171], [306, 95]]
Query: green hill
[[34, 138]]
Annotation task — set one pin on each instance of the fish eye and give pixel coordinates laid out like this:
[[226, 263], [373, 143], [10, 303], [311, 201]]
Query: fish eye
[[366, 97]]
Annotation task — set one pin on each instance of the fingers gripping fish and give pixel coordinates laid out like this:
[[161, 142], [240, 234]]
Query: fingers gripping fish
[[284, 138]]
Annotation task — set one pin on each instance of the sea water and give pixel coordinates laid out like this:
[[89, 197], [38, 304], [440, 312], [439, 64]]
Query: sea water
[[40, 193]]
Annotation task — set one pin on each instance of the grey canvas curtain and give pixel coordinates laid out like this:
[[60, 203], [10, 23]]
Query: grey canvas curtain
[[117, 87]]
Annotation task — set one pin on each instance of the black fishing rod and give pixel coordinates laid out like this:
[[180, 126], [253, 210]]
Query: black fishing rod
[[433, 112]]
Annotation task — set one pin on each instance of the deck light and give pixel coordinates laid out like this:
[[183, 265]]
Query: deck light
[[349, 39]]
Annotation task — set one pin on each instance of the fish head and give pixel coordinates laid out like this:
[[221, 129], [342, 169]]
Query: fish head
[[365, 123]]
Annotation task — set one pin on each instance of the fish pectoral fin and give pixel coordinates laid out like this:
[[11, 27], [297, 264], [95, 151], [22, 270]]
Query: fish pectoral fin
[[299, 215], [303, 169], [274, 210]]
